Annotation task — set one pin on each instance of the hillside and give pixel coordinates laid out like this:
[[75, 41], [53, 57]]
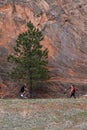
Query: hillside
[[64, 26], [52, 114]]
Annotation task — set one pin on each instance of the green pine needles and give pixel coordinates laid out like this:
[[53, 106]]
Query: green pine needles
[[30, 59]]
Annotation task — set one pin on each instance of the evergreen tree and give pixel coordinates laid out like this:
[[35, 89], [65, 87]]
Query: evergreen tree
[[30, 58]]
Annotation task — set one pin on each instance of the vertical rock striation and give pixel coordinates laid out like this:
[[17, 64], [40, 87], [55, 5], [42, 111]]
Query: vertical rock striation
[[64, 25]]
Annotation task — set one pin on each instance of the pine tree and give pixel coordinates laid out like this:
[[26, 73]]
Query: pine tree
[[30, 58]]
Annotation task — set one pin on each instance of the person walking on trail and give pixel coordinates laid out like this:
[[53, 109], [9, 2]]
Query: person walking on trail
[[22, 91], [72, 91]]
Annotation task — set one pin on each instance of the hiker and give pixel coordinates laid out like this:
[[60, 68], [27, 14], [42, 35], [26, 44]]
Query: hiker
[[22, 91], [72, 91]]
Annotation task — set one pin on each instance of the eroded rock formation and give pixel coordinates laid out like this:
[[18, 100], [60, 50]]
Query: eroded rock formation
[[64, 25]]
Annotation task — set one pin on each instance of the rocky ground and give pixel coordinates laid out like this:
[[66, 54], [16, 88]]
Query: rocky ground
[[43, 114]]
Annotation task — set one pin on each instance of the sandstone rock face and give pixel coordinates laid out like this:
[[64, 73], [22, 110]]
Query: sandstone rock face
[[64, 25]]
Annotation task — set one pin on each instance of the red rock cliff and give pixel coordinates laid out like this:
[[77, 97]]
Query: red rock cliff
[[64, 25]]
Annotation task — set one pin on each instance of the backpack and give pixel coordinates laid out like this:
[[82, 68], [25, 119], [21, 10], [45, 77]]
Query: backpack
[[22, 89]]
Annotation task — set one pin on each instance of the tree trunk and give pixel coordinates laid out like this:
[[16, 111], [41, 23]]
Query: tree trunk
[[30, 91], [30, 82], [30, 88]]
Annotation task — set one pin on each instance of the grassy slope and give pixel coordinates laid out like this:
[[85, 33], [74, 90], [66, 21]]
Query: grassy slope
[[43, 114]]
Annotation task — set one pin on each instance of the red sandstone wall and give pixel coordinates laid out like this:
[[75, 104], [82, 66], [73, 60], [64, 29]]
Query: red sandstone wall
[[64, 25]]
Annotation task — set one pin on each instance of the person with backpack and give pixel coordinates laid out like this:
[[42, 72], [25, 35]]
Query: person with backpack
[[72, 91], [22, 90]]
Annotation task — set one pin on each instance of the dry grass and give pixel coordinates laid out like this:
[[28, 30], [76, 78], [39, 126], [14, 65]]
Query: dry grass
[[43, 114]]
